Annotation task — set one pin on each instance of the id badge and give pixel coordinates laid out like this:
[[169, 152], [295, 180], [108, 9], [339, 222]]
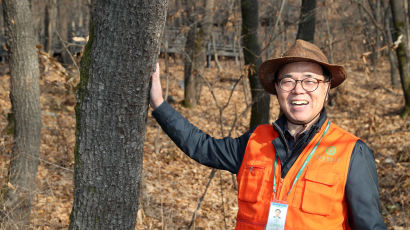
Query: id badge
[[277, 216]]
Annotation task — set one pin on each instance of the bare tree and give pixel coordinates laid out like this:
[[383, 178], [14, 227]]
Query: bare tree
[[64, 15], [50, 20], [394, 75], [306, 29], [251, 50], [401, 33], [377, 11], [193, 48], [111, 111], [25, 100], [198, 38], [372, 13]]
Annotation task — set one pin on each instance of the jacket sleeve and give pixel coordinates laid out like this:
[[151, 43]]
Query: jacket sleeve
[[226, 153], [362, 194]]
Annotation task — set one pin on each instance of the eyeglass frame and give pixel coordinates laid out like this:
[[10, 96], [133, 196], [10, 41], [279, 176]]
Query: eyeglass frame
[[278, 81]]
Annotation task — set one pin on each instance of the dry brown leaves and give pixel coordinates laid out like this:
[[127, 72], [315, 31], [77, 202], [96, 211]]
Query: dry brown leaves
[[172, 183]]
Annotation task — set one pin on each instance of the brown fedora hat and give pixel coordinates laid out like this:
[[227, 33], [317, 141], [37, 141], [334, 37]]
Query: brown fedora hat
[[301, 51]]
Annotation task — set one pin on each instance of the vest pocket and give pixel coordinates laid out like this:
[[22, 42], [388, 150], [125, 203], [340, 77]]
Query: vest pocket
[[251, 183], [320, 192]]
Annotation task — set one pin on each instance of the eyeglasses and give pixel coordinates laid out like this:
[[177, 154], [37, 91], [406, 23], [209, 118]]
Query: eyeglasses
[[309, 84]]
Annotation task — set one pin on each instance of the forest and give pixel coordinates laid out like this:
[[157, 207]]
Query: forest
[[80, 149]]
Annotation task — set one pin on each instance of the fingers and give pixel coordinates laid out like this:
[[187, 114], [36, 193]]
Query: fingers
[[156, 76], [156, 98], [156, 72]]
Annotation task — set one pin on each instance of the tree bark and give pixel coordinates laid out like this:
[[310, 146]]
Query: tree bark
[[25, 100], [207, 26], [306, 29], [197, 40], [111, 111], [401, 28], [193, 67], [251, 50], [394, 75], [50, 20], [64, 11]]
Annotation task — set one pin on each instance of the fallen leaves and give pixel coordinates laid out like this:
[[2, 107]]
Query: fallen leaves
[[172, 183]]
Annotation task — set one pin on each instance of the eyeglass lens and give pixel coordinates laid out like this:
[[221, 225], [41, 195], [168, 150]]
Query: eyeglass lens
[[308, 84]]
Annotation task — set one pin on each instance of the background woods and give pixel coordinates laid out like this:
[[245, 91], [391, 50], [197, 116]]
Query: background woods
[[217, 46]]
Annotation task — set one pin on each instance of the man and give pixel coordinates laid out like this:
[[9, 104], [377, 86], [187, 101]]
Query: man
[[276, 222], [323, 176]]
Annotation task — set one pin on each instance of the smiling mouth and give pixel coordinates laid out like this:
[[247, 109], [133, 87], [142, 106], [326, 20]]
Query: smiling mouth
[[299, 102]]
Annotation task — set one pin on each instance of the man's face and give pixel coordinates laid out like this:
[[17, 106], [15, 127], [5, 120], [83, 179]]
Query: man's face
[[299, 105], [277, 212]]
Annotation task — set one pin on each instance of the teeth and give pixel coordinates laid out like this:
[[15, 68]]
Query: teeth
[[299, 102]]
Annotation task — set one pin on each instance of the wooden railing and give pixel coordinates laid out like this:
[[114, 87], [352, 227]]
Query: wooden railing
[[225, 42]]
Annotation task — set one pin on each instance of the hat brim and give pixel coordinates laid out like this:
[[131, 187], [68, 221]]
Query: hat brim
[[268, 69]]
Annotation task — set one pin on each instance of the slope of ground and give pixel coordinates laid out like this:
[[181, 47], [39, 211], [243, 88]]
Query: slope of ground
[[367, 106]]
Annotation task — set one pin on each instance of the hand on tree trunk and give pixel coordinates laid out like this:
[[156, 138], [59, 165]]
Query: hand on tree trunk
[[156, 98]]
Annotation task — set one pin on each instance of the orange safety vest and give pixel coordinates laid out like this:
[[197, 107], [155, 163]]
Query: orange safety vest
[[316, 201]]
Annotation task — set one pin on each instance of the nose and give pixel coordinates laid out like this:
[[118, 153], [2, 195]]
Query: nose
[[298, 87]]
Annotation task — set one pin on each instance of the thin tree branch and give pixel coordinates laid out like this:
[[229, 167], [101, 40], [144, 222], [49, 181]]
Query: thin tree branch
[[68, 51], [211, 176], [370, 15], [222, 197]]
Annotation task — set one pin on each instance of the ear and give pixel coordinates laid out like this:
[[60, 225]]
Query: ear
[[276, 85], [327, 93]]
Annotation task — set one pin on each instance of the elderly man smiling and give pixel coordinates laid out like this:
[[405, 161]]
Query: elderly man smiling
[[319, 175]]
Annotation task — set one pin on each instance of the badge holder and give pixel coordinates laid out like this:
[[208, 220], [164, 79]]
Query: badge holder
[[277, 216]]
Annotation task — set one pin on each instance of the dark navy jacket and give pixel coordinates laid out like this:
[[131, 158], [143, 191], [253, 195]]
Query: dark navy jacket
[[362, 195]]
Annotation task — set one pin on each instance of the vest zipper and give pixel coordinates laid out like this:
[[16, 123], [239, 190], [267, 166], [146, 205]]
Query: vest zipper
[[282, 136]]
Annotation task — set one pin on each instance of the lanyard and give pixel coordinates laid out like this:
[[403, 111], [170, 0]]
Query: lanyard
[[304, 163]]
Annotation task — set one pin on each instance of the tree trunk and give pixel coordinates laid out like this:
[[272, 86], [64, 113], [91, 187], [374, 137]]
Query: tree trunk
[[79, 16], [111, 111], [402, 28], [64, 11], [25, 100], [50, 20], [207, 27], [197, 40], [37, 15], [251, 50], [193, 67], [394, 75], [306, 29]]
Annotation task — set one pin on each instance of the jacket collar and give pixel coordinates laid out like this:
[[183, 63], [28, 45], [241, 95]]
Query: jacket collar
[[281, 123], [281, 144]]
